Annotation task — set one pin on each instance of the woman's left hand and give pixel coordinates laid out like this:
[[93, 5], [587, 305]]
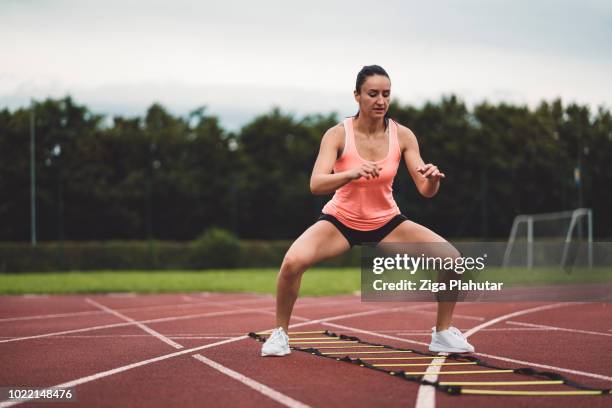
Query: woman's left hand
[[430, 172]]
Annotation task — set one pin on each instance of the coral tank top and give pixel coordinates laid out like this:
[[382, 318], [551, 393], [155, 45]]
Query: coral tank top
[[364, 204]]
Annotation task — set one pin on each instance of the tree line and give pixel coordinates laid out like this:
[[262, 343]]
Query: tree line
[[169, 177]]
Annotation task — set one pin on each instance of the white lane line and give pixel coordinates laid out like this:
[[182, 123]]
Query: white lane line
[[124, 368], [367, 313], [144, 327], [429, 393], [117, 370], [507, 329], [514, 314], [460, 316], [261, 388], [197, 302], [521, 362], [554, 328], [109, 326], [249, 382], [124, 336], [298, 305], [237, 311], [127, 309], [51, 316]]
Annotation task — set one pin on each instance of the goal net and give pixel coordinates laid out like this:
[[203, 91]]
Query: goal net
[[560, 239]]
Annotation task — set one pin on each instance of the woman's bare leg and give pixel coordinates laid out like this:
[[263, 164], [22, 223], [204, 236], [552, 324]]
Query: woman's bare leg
[[319, 242], [411, 232]]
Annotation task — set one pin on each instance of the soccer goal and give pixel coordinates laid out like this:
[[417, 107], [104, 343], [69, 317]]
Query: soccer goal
[[546, 239]]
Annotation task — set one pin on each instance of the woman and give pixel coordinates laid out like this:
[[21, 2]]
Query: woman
[[358, 160]]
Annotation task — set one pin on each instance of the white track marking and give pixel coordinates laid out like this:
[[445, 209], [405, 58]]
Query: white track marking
[[428, 393], [128, 309], [459, 316], [237, 311], [117, 370], [504, 329], [514, 314], [137, 323], [125, 336], [249, 382], [109, 326], [554, 328], [298, 305], [366, 313], [52, 316], [197, 302], [124, 368]]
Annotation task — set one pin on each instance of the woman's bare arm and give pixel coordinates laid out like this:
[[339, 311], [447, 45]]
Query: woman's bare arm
[[426, 176], [323, 180]]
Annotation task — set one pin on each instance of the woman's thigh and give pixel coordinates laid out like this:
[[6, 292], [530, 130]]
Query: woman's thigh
[[320, 241], [411, 232], [420, 239]]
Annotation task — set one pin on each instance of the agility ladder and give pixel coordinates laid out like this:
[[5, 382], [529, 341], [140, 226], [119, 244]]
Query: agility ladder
[[339, 341]]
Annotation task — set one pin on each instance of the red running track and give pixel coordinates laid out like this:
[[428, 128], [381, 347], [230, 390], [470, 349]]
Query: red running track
[[190, 350]]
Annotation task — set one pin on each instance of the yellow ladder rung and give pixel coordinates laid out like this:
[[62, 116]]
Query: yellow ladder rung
[[369, 352], [398, 358], [534, 393], [290, 333], [542, 382], [314, 338], [463, 372], [342, 352], [423, 364], [322, 342]]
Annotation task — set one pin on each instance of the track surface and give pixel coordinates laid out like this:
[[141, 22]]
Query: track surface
[[190, 350]]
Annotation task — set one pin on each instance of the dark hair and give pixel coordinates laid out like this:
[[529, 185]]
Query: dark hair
[[368, 71]]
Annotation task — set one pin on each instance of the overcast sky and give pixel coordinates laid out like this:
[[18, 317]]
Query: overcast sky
[[240, 58]]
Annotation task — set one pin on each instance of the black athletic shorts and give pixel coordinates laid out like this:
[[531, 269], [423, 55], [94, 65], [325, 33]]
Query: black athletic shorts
[[356, 237]]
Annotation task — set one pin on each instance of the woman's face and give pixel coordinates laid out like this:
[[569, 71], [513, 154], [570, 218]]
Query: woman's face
[[374, 96]]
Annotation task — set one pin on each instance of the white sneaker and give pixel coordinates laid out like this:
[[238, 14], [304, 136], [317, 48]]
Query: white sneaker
[[277, 344], [449, 341]]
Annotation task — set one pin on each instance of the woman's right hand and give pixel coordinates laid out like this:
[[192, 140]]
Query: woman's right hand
[[367, 170]]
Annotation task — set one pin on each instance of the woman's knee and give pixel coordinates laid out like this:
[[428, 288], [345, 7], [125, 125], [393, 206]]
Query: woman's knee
[[294, 265]]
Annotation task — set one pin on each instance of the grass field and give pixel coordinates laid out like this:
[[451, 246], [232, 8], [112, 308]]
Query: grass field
[[316, 281]]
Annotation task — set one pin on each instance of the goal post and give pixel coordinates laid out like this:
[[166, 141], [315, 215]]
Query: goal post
[[560, 227]]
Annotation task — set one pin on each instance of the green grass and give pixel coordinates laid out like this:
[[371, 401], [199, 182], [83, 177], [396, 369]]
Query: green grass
[[316, 282]]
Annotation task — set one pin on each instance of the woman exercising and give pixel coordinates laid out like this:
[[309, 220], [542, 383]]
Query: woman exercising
[[358, 160]]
